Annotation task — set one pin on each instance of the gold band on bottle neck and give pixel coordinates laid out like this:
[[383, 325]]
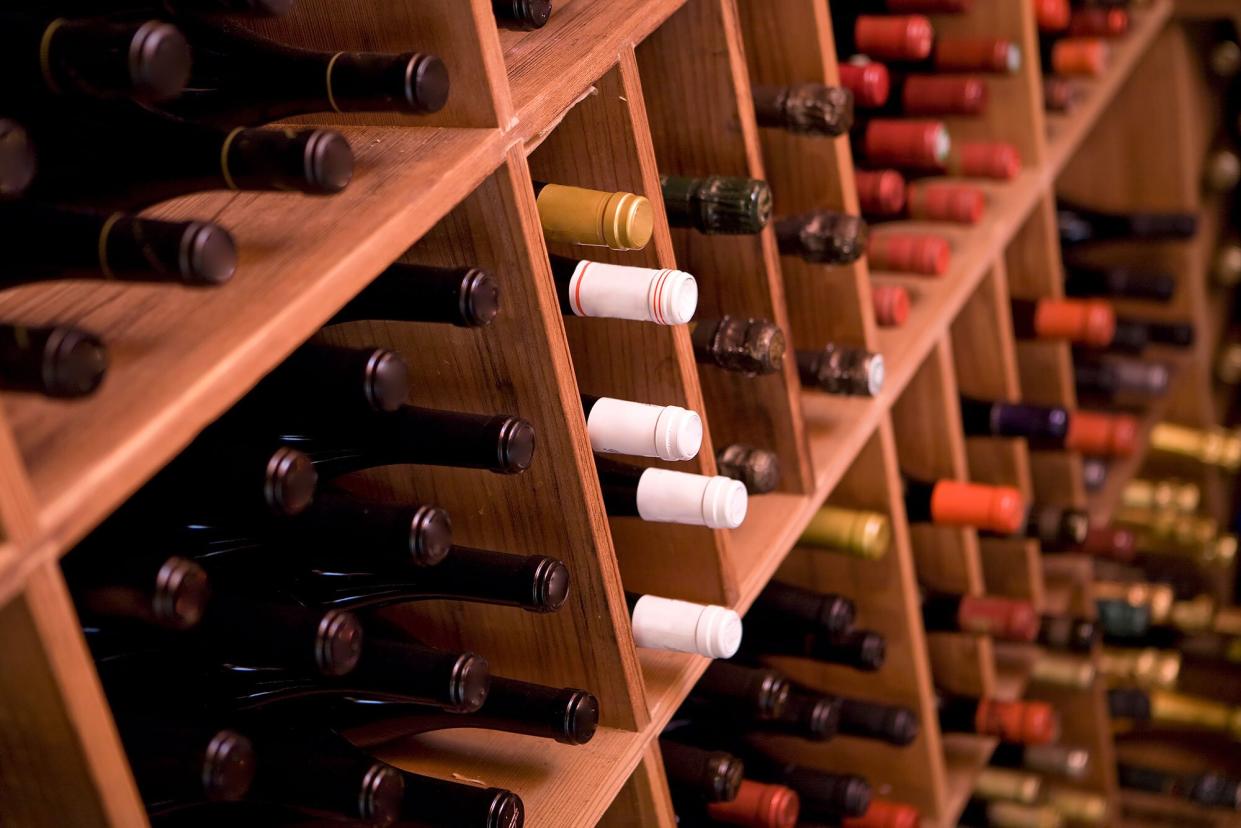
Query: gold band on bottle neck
[[576, 215], [1009, 785], [855, 532]]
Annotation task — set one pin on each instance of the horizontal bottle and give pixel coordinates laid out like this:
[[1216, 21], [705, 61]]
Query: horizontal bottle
[[982, 418], [1001, 784], [522, 14], [1113, 542], [1096, 21], [1094, 473], [1051, 760], [859, 649], [744, 346], [561, 714], [323, 385], [1221, 171], [885, 194], [1172, 709], [883, 36], [1101, 434], [1088, 322], [891, 305], [340, 781], [1146, 667], [150, 588], [239, 77], [1108, 377], [1006, 619], [1063, 632], [663, 496], [957, 54], [1056, 527], [60, 361], [893, 724], [739, 692], [758, 805], [45, 55], [641, 294], [454, 681], [822, 794], [17, 159], [1210, 789], [434, 803], [668, 432], [1075, 56], [1057, 670], [906, 144], [1027, 722], [882, 91], [701, 775], [758, 469], [789, 608], [1080, 224], [468, 297], [576, 215], [683, 626], [983, 813], [822, 237], [842, 369], [278, 631], [805, 108], [922, 254], [1170, 494], [44, 243], [1120, 282], [1171, 334], [958, 503], [1060, 95], [806, 715], [856, 532], [1212, 447], [177, 763], [998, 160], [717, 204], [1226, 265]]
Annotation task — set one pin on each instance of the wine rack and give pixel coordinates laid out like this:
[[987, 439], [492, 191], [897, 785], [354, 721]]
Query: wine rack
[[611, 95]]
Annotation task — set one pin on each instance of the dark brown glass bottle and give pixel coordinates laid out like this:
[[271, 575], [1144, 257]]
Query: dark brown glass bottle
[[792, 609], [522, 14], [747, 693], [822, 237], [441, 803], [823, 795], [757, 468], [151, 588], [842, 369], [893, 724], [1079, 225], [805, 108], [1210, 789], [468, 297], [178, 763], [340, 530], [1120, 282], [744, 346], [278, 631], [859, 649], [704, 775], [59, 361]]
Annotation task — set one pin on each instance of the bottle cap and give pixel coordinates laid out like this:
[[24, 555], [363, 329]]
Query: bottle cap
[[228, 766], [1063, 671], [643, 294], [1228, 364], [382, 791], [1113, 542], [990, 159], [291, 479], [881, 192], [947, 201], [1052, 15], [882, 813], [977, 54], [328, 161], [1027, 722], [1094, 473], [1225, 59], [891, 305], [822, 237], [758, 805], [575, 215], [529, 14], [1099, 22], [665, 496], [1225, 268], [1059, 94], [668, 432], [894, 37], [471, 681], [1005, 618], [747, 346], [1089, 322], [842, 369], [17, 159], [806, 108], [718, 204], [1057, 527], [757, 469], [209, 254], [1108, 435], [685, 627], [1001, 783], [159, 61], [861, 533], [426, 83], [580, 718], [907, 143], [943, 95], [869, 81], [919, 253], [338, 643], [991, 508], [1079, 56], [1078, 806], [181, 593], [506, 810], [1067, 633], [1058, 760]]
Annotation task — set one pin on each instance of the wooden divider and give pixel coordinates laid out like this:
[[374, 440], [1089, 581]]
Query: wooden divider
[[702, 123], [645, 799]]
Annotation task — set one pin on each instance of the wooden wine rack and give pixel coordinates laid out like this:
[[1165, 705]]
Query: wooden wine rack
[[609, 94]]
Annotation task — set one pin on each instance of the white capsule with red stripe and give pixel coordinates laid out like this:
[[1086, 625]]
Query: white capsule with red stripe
[[643, 294]]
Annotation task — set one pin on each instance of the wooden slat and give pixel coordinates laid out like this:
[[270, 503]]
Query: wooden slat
[[645, 799]]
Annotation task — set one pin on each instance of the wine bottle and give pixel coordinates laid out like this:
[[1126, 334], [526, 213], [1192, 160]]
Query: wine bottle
[[379, 537], [562, 714], [1072, 672], [708, 776], [1089, 322], [1081, 224], [1027, 722], [44, 242], [758, 805], [822, 794], [683, 627], [329, 385], [457, 682], [738, 692], [1221, 172], [1094, 473], [882, 37], [983, 813], [663, 496], [743, 346], [811, 716], [958, 503], [279, 631], [1210, 789], [1007, 619], [467, 297], [668, 432], [892, 724], [177, 763], [17, 159], [861, 533], [859, 649], [1094, 21], [1060, 95], [1120, 282], [879, 814], [1110, 377], [958, 54], [822, 237], [1097, 433], [576, 215], [44, 55], [499, 443], [1113, 542], [842, 369], [1226, 265], [137, 157], [1075, 56], [805, 108], [239, 77], [1169, 708], [886, 194], [1002, 784], [1212, 447], [60, 361], [1004, 419], [435, 803], [998, 160], [1052, 760], [522, 14], [1172, 334], [1167, 494], [787, 607], [918, 145], [890, 304], [1056, 527], [642, 294], [717, 204], [159, 590], [1146, 667], [1063, 632], [757, 469], [338, 781], [883, 91], [924, 254]]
